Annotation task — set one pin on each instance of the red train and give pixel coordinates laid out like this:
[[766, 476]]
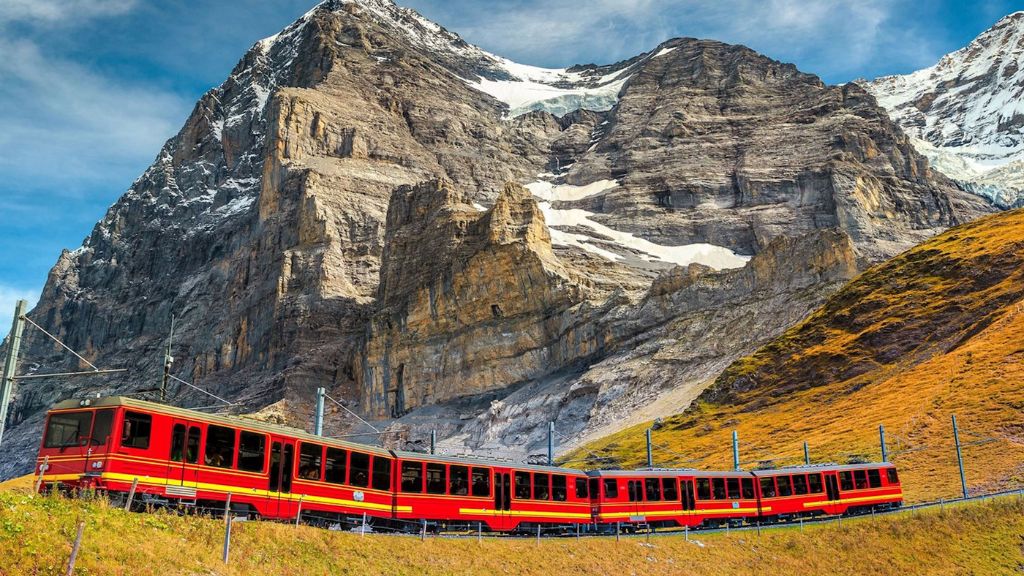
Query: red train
[[179, 456]]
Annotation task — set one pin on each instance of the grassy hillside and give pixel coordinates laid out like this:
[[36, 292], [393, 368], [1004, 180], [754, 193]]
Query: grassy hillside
[[936, 331], [36, 536]]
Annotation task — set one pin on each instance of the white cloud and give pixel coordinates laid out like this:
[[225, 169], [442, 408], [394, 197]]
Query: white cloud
[[67, 125], [59, 11], [8, 300], [835, 37]]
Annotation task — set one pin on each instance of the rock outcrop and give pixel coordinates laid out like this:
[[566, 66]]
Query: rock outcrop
[[271, 231], [469, 301]]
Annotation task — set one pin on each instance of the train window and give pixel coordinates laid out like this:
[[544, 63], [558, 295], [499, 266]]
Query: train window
[[412, 477], [582, 488], [310, 460], [220, 447], [192, 445], [785, 488], [652, 488], [65, 429], [101, 427], [892, 476], [559, 490], [768, 488], [748, 488], [594, 487], [611, 488], [481, 482], [874, 478], [251, 448], [861, 479], [522, 485], [719, 488], [814, 483], [733, 484], [541, 486], [846, 481], [703, 489], [335, 466], [799, 484], [136, 430], [359, 473], [669, 489], [381, 473], [458, 481], [436, 482]]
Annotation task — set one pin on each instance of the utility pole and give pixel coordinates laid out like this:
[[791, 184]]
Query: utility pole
[[735, 450], [650, 455], [318, 420], [433, 441], [11, 363], [959, 458], [807, 454], [881, 440], [168, 360], [551, 443]]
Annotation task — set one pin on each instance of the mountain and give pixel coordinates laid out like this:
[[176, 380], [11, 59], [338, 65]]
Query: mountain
[[966, 113], [446, 239], [933, 332]]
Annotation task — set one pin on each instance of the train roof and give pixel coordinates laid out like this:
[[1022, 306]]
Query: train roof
[[471, 460], [822, 468], [235, 421], [667, 473]]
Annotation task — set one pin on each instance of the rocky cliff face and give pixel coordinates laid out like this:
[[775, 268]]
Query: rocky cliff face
[[288, 232], [966, 112], [484, 307]]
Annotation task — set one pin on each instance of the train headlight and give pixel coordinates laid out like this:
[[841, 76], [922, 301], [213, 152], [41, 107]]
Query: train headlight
[[97, 464]]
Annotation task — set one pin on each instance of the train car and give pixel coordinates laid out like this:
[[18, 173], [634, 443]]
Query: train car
[[667, 498], [464, 492], [183, 457], [187, 457], [828, 490]]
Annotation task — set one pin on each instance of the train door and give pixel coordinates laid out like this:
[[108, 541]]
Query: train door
[[502, 499], [689, 503], [832, 487], [182, 466], [635, 493], [282, 461]]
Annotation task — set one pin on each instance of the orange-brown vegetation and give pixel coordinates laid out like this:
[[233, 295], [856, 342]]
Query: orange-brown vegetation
[[937, 331]]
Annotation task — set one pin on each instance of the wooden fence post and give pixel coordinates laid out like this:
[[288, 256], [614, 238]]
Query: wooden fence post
[[75, 548], [42, 470], [131, 495]]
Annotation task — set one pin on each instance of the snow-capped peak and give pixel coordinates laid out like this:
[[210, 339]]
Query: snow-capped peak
[[521, 87], [970, 105]]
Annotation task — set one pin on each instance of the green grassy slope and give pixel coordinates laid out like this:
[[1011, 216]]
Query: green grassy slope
[[36, 535]]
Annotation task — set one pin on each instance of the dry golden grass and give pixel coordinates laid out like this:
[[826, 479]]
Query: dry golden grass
[[21, 483], [935, 332], [36, 535]]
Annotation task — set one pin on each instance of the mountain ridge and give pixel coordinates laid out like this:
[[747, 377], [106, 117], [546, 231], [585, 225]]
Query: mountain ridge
[[262, 227]]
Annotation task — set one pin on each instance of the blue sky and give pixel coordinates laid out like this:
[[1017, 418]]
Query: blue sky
[[90, 89]]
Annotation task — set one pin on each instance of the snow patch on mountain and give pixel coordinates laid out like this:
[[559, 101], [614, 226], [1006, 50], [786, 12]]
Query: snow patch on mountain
[[567, 227], [553, 90]]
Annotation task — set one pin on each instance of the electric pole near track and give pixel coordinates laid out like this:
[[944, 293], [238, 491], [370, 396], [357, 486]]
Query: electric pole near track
[[11, 363]]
